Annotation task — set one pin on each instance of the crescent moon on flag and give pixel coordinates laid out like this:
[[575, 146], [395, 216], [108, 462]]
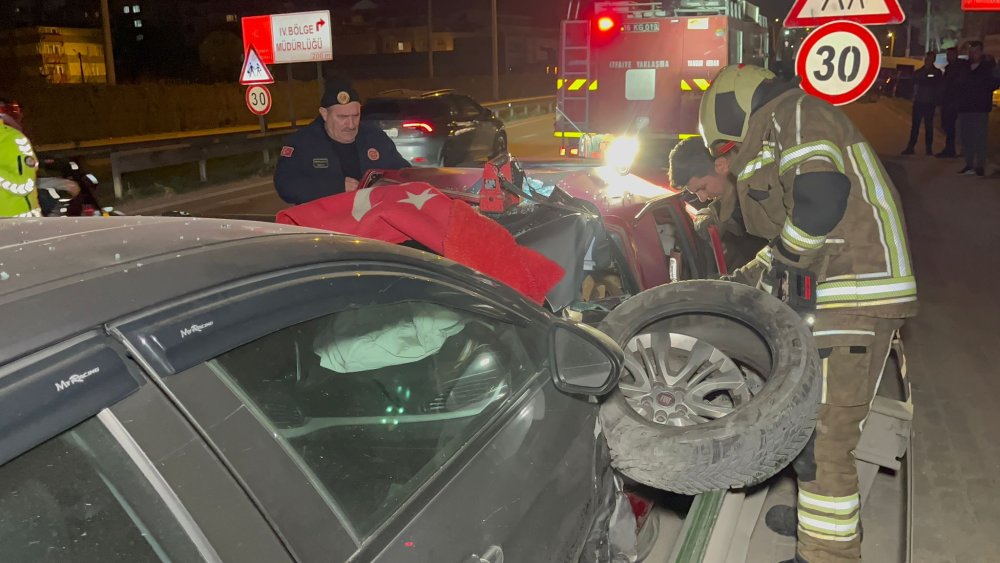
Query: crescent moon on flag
[[362, 203]]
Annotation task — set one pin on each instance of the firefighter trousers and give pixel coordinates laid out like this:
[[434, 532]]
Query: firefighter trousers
[[853, 350]]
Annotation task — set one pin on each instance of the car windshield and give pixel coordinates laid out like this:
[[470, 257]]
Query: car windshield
[[402, 108]]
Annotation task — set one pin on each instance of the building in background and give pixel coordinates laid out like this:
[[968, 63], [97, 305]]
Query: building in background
[[57, 55]]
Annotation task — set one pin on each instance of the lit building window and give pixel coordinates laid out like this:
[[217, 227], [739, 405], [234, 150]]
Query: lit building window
[[137, 23], [138, 37], [399, 46], [231, 17], [135, 9], [126, 9]]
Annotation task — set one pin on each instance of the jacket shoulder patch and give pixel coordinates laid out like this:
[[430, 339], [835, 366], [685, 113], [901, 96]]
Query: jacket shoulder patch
[[286, 151], [373, 154]]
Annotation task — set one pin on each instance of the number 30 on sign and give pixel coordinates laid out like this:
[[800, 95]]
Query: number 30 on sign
[[838, 62], [259, 100]]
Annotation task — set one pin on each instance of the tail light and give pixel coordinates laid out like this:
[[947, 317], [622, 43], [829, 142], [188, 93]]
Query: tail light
[[641, 507], [419, 126]]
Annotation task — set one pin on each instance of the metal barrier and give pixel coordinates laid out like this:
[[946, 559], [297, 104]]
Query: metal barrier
[[523, 107], [147, 155]]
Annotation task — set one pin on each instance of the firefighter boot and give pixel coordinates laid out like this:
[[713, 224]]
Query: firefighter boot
[[782, 520]]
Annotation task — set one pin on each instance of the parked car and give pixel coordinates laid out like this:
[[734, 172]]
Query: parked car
[[437, 128]]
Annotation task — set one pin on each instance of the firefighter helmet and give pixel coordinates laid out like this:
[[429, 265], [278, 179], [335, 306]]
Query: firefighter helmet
[[726, 105]]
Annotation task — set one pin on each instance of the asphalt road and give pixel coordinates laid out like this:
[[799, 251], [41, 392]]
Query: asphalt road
[[953, 232]]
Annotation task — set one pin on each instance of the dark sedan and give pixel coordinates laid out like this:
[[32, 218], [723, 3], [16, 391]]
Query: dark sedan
[[178, 389], [437, 128]]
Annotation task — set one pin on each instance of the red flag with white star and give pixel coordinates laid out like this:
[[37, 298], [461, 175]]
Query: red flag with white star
[[451, 228], [384, 213]]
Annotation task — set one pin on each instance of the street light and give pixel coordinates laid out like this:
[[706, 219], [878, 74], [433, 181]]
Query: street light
[[892, 43]]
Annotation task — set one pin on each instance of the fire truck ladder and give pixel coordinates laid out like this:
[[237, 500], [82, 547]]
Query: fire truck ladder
[[572, 96]]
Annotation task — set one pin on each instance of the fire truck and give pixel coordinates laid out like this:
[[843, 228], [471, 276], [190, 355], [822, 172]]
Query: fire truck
[[632, 74]]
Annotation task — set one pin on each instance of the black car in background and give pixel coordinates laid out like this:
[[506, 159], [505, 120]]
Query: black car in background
[[437, 128]]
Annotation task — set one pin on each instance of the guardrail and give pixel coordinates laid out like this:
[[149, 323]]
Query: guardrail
[[523, 107], [156, 151]]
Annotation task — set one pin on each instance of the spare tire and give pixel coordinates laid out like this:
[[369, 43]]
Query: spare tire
[[720, 390]]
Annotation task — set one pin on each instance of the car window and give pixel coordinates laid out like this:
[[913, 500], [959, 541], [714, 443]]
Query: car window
[[403, 108], [79, 497], [468, 108], [372, 401]]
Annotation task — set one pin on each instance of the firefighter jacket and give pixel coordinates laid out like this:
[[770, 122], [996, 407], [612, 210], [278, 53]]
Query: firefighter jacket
[[18, 168], [808, 181]]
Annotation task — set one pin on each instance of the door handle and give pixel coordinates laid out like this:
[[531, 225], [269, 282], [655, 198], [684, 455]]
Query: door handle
[[493, 554]]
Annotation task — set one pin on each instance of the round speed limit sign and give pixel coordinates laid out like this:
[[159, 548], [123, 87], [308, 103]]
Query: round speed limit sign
[[839, 62], [259, 100]]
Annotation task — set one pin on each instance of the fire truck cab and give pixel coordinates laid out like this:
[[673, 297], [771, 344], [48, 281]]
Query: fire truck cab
[[631, 74]]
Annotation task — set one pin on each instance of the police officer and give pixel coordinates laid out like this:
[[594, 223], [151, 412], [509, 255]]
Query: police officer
[[795, 170], [331, 154], [18, 165]]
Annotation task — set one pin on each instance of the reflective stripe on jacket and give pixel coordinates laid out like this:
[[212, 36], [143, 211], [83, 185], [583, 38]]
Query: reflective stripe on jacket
[[857, 247]]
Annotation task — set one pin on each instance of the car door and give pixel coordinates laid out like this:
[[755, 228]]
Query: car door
[[385, 413], [486, 130], [76, 483], [461, 145]]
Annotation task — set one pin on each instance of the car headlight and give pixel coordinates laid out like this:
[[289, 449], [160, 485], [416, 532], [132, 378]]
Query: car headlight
[[621, 153]]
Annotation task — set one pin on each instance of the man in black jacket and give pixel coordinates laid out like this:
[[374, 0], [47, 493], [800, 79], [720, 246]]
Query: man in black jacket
[[330, 155], [949, 102], [928, 81], [976, 84]]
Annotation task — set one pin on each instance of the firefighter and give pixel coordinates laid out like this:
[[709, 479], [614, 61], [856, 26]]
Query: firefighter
[[18, 165], [330, 155], [795, 171]]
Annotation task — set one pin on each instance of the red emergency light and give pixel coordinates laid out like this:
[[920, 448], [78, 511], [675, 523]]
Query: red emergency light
[[605, 23]]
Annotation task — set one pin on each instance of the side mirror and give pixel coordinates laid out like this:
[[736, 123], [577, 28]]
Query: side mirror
[[585, 360]]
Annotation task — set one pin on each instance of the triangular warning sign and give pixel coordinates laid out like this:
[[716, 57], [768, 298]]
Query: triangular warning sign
[[814, 13], [254, 71]]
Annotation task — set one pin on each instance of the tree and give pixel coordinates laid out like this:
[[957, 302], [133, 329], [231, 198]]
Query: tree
[[221, 54], [947, 19]]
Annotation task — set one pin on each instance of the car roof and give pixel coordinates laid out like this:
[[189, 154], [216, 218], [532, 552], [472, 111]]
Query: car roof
[[413, 94], [60, 276]]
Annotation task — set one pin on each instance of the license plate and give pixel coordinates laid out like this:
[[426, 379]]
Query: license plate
[[392, 133]]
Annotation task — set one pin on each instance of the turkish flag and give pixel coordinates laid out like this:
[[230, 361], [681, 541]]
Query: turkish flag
[[416, 211]]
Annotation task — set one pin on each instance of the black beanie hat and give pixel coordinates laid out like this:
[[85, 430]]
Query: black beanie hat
[[339, 91]]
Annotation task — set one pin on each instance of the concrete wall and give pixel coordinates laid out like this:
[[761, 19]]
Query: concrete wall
[[73, 113]]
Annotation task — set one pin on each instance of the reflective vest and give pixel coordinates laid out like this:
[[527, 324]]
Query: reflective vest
[[18, 171]]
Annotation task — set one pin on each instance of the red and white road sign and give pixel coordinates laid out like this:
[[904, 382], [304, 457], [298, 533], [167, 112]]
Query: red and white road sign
[[259, 100], [254, 70], [839, 62], [813, 13], [290, 38]]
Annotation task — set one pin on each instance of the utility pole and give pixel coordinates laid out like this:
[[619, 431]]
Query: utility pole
[[496, 52], [909, 28], [109, 53], [430, 42], [927, 36]]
